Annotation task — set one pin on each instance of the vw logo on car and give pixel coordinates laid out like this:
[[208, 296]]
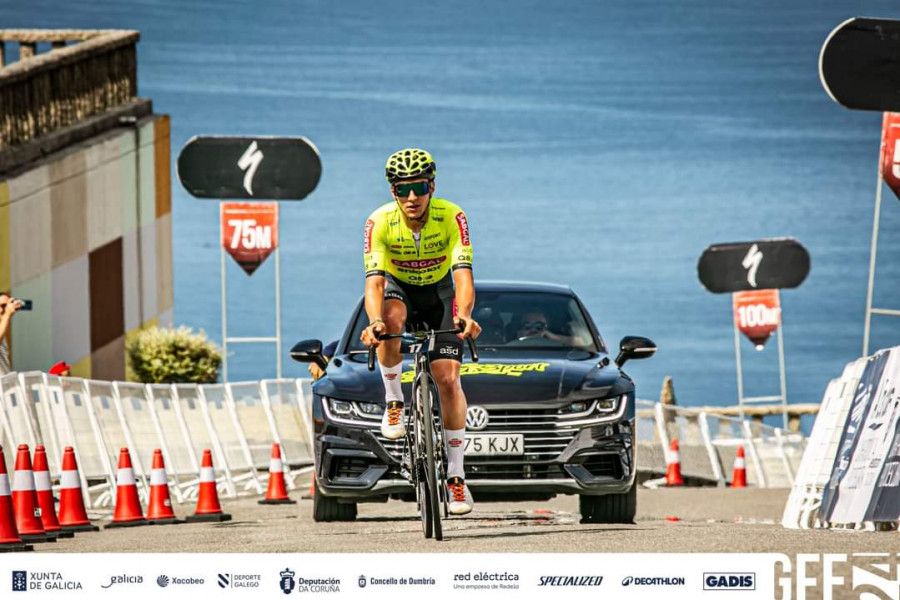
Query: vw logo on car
[[476, 418]]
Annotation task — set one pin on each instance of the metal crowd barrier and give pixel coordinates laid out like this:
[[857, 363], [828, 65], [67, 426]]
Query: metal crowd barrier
[[708, 446], [237, 421], [240, 421]]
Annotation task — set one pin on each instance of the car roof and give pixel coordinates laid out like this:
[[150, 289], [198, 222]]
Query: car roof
[[493, 285]]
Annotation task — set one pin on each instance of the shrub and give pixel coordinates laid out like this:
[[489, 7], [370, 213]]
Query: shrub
[[173, 356]]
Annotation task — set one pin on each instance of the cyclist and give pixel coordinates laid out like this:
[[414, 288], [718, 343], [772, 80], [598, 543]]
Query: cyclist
[[418, 260]]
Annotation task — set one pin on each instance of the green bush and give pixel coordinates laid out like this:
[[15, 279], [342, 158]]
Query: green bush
[[173, 356]]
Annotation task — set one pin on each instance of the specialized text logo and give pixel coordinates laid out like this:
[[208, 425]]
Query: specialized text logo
[[571, 580]]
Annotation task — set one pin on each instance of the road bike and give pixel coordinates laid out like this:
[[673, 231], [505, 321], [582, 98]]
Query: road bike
[[424, 458]]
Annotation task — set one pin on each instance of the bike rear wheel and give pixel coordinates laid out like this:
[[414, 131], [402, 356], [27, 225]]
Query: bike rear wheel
[[419, 467], [432, 481]]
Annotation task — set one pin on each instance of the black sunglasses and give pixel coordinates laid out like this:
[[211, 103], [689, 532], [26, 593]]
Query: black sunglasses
[[419, 188]]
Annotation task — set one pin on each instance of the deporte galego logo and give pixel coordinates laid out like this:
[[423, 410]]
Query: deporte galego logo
[[729, 581], [631, 580]]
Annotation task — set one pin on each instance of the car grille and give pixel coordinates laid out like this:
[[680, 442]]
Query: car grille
[[544, 440]]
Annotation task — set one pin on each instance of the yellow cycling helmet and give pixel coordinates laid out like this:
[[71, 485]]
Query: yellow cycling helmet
[[409, 163]]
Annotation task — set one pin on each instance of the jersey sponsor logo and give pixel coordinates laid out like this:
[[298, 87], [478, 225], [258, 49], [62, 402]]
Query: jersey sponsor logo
[[418, 264], [463, 228], [367, 236], [434, 246]]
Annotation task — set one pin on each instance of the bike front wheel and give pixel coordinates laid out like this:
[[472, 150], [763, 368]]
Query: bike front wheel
[[431, 480]]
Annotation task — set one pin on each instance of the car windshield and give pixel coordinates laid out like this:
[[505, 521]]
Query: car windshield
[[521, 320]]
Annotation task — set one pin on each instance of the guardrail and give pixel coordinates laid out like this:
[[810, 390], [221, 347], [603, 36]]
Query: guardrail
[[83, 74]]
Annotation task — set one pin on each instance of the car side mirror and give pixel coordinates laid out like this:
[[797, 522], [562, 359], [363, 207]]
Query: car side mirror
[[309, 351], [633, 347]]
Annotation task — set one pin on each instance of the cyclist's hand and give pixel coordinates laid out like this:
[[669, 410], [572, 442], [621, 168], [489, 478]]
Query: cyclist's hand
[[470, 327], [370, 334]]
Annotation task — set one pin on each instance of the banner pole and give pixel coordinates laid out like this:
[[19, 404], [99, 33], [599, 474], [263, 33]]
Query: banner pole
[[278, 309], [223, 280], [872, 258], [784, 417], [740, 375]]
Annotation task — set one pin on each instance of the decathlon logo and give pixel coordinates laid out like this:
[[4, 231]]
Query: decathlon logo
[[751, 263], [250, 162], [729, 581], [652, 581], [476, 418]]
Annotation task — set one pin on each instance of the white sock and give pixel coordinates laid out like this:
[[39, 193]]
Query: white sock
[[391, 378], [456, 450]]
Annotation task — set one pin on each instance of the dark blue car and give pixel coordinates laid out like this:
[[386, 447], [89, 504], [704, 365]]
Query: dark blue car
[[550, 411]]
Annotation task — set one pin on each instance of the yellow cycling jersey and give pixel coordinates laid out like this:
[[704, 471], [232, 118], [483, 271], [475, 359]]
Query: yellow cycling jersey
[[444, 243]]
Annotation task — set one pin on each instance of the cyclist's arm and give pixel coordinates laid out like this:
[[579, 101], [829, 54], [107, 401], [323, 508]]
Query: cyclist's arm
[[374, 297], [374, 251], [465, 292]]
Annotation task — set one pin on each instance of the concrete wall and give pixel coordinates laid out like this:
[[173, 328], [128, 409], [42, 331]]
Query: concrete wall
[[87, 235]]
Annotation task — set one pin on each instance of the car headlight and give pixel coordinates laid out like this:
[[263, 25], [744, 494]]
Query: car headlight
[[575, 407], [340, 407], [365, 412], [370, 408], [608, 405]]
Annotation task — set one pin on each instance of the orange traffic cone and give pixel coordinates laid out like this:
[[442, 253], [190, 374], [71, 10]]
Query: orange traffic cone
[[44, 491], [28, 513], [739, 475], [9, 534], [159, 509], [673, 468], [208, 507], [72, 515], [276, 493], [128, 504], [312, 488]]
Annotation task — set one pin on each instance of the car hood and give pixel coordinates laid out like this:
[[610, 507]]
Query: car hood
[[499, 378]]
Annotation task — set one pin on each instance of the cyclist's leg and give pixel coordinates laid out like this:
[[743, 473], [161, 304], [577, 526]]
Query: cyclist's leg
[[445, 366], [393, 425]]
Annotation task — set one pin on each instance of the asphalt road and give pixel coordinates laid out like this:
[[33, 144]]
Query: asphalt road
[[710, 520]]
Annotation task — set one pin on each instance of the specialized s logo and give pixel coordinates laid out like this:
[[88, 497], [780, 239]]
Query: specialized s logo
[[367, 236], [463, 228], [249, 162]]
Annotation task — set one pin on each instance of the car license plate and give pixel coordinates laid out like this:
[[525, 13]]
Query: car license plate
[[480, 444]]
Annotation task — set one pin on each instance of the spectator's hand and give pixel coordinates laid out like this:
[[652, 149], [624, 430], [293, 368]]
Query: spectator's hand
[[11, 306], [370, 334], [470, 327], [315, 370]]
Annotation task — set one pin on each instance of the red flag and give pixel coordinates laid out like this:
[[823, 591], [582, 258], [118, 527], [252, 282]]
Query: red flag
[[890, 151], [249, 232], [757, 314]]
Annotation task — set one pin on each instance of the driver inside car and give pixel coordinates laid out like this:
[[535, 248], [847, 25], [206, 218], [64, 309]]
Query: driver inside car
[[534, 324]]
